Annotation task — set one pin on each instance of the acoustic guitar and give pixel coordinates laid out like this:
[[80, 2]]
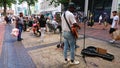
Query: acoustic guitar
[[74, 31]]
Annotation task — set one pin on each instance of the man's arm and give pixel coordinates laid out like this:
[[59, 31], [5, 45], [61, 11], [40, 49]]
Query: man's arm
[[117, 22], [74, 22]]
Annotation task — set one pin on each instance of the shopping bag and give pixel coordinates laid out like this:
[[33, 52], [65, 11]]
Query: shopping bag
[[116, 35], [15, 32]]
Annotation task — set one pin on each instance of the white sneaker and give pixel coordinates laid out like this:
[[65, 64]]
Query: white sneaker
[[75, 62], [67, 61], [112, 41]]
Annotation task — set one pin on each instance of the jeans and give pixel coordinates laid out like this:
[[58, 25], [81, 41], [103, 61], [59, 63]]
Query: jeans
[[69, 41], [20, 27], [42, 32]]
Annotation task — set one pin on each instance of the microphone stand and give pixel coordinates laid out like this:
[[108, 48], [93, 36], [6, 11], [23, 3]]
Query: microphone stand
[[83, 56], [85, 20]]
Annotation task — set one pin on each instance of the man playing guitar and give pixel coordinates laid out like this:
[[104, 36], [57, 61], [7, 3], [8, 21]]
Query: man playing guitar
[[69, 26]]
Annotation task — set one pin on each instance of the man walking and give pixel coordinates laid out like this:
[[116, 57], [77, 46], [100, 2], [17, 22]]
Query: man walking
[[114, 25], [19, 25], [69, 39]]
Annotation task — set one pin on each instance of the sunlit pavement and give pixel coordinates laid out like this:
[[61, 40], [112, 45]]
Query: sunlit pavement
[[31, 51], [47, 55]]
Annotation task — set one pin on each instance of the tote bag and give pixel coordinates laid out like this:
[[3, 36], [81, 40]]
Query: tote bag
[[15, 32]]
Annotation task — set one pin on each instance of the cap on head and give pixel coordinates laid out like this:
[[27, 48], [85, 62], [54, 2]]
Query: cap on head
[[71, 5], [20, 13], [114, 11]]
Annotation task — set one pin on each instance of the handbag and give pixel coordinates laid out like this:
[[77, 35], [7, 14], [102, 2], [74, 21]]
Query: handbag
[[15, 32], [73, 30], [116, 34]]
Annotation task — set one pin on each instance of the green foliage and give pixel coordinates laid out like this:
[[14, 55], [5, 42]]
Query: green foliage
[[57, 2], [29, 2], [7, 2]]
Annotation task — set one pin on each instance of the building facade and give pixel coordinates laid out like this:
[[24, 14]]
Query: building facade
[[98, 7]]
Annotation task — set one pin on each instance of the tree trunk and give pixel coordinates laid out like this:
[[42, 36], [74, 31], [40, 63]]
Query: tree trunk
[[29, 11], [5, 8]]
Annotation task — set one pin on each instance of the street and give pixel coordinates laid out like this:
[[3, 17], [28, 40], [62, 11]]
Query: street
[[31, 53]]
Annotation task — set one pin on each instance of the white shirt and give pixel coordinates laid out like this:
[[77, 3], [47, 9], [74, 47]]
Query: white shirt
[[114, 24], [70, 18], [55, 23], [100, 18]]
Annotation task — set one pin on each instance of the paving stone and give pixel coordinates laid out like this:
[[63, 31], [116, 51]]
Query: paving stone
[[52, 57]]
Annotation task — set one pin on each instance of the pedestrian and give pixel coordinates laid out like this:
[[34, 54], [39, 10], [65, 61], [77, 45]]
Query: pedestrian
[[105, 20], [19, 25], [35, 25], [100, 19], [114, 25], [9, 19], [6, 19], [69, 39], [56, 25], [42, 25]]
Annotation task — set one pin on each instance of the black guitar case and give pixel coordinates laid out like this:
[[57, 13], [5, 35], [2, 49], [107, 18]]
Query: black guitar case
[[91, 51]]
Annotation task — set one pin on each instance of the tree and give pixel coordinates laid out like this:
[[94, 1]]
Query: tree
[[5, 4], [29, 3], [57, 2]]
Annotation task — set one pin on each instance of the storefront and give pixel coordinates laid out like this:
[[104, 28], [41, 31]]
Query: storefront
[[97, 7]]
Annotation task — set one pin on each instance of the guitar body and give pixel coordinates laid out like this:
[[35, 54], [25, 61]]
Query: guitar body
[[75, 32]]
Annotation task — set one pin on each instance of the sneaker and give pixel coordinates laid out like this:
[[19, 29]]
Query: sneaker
[[112, 41], [65, 62], [19, 39], [75, 62]]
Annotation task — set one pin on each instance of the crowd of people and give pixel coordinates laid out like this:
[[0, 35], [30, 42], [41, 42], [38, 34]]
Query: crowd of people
[[36, 23]]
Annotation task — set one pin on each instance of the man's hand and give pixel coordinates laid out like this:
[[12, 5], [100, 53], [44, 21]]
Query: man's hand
[[76, 25]]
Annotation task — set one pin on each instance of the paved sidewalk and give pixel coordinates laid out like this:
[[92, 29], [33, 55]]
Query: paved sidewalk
[[46, 55], [2, 30], [98, 32], [13, 54]]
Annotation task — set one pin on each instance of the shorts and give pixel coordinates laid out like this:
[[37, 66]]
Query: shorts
[[112, 30]]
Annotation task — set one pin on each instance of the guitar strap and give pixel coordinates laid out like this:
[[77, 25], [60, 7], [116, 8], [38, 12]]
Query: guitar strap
[[68, 24]]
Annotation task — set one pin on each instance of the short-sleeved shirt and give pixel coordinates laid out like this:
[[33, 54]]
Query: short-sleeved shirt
[[42, 22], [70, 18], [20, 20], [115, 18]]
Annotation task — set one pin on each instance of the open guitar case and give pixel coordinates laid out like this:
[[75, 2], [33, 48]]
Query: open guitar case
[[92, 52]]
